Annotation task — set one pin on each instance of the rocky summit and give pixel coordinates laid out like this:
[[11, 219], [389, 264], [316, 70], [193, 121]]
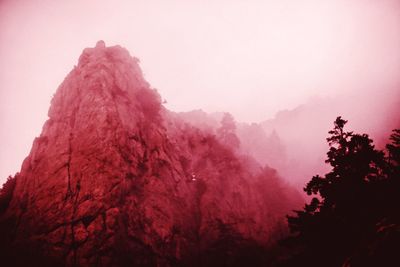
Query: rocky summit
[[115, 179]]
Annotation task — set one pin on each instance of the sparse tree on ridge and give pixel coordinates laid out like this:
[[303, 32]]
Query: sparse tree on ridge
[[227, 132]]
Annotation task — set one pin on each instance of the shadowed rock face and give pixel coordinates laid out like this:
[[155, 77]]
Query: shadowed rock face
[[116, 180]]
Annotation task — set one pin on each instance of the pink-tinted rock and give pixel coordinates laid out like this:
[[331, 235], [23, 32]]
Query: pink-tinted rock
[[117, 180], [80, 233], [111, 218]]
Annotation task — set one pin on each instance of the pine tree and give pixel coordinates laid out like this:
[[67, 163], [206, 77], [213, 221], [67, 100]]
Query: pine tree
[[227, 132], [348, 203]]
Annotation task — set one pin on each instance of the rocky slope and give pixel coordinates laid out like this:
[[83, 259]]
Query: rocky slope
[[117, 180]]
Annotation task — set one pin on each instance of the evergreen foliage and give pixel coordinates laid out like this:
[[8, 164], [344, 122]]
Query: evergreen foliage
[[227, 132], [6, 193], [351, 206]]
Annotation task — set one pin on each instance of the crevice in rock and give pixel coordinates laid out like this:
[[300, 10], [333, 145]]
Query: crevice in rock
[[74, 244], [68, 165]]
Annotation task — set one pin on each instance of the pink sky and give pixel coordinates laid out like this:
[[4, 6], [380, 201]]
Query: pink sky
[[251, 58]]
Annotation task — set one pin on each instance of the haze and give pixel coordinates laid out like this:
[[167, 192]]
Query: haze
[[250, 58]]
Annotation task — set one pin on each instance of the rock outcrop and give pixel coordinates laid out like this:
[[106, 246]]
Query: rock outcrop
[[117, 180]]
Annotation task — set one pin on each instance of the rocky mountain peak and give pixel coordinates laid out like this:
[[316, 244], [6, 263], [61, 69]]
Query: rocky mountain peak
[[104, 74], [116, 180]]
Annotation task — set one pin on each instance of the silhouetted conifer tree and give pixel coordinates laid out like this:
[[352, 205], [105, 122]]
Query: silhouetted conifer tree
[[350, 206]]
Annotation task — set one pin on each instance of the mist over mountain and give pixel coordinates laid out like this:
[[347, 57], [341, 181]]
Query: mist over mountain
[[351, 217], [115, 179], [249, 133], [303, 130], [293, 142]]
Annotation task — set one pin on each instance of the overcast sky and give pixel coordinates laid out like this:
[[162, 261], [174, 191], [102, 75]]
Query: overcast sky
[[251, 58]]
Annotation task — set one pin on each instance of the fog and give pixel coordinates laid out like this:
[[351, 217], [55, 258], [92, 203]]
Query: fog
[[252, 59]]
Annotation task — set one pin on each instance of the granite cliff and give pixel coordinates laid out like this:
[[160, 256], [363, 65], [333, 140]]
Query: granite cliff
[[115, 179]]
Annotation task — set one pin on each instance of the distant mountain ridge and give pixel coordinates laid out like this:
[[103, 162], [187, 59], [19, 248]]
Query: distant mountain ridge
[[293, 142]]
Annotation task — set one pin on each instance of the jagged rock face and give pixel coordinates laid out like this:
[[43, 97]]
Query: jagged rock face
[[115, 180]]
